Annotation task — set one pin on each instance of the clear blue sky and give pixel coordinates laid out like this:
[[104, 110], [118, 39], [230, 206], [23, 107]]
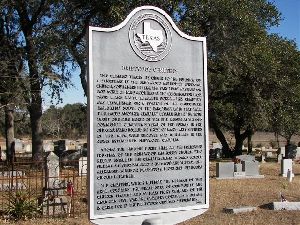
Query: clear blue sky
[[290, 25], [289, 28]]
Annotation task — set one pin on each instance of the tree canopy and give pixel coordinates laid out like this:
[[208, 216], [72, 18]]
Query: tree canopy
[[253, 76]]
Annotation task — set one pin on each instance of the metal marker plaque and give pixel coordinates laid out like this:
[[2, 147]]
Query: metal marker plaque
[[148, 118]]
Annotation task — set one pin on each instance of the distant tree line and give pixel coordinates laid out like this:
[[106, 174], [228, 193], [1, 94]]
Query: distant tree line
[[67, 122], [253, 77]]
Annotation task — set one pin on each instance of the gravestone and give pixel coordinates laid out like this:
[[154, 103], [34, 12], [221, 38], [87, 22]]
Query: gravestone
[[82, 166], [225, 169], [286, 164], [19, 146], [285, 205], [242, 209], [60, 146], [48, 147], [282, 151], [52, 171], [290, 151], [251, 168], [215, 153], [148, 140], [238, 167], [297, 153], [279, 158], [28, 148], [217, 145], [53, 202], [263, 158], [269, 154]]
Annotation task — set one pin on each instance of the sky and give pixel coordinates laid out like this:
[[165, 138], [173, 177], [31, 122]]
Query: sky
[[289, 28], [290, 25]]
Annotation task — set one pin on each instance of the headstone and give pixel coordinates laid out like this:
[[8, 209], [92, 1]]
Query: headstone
[[217, 145], [215, 153], [242, 209], [60, 146], [48, 147], [279, 158], [285, 206], [282, 151], [28, 148], [263, 158], [238, 167], [297, 153], [286, 164], [53, 202], [290, 151], [82, 166], [251, 168], [52, 171], [246, 158], [19, 146], [225, 169], [148, 121], [269, 154]]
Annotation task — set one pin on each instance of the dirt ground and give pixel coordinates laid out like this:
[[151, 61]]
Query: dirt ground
[[230, 193]]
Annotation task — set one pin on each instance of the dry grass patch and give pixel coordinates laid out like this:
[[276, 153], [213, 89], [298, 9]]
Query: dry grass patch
[[229, 193]]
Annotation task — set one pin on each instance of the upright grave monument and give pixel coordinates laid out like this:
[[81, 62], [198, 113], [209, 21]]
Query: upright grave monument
[[148, 141]]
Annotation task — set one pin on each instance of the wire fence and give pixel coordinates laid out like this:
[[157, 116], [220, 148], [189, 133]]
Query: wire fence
[[24, 184]]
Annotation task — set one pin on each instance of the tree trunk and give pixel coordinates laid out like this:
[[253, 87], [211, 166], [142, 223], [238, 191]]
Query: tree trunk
[[9, 132], [35, 107], [35, 111], [238, 148], [225, 147], [240, 137], [250, 142]]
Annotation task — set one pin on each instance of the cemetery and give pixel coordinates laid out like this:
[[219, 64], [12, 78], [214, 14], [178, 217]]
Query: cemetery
[[231, 199]]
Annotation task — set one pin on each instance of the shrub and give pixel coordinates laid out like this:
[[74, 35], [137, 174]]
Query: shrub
[[21, 206]]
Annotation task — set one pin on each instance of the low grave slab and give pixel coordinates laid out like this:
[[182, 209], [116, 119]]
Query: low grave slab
[[285, 206], [242, 209]]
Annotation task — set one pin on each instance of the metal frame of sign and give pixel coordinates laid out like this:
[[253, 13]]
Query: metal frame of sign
[[197, 208]]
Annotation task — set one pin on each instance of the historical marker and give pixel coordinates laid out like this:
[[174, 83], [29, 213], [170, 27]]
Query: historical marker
[[148, 137]]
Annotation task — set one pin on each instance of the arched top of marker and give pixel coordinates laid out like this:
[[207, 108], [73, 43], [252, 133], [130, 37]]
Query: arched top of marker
[[145, 8]]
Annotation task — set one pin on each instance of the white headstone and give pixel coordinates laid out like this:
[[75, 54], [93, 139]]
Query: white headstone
[[82, 166], [282, 151], [286, 164], [263, 158], [297, 153], [217, 145], [279, 158], [28, 148], [52, 171], [269, 154]]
